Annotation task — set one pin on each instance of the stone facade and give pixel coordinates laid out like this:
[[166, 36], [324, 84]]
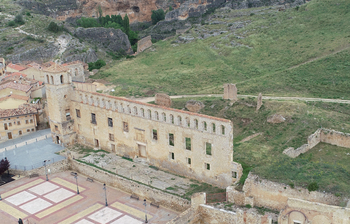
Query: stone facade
[[321, 135], [163, 100], [303, 212], [189, 144], [144, 43], [15, 126], [194, 106], [87, 87], [230, 92]]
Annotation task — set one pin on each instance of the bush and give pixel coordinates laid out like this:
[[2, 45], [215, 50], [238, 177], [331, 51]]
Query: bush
[[53, 27], [11, 23], [19, 20], [96, 65], [28, 14], [313, 186], [157, 15], [134, 47]]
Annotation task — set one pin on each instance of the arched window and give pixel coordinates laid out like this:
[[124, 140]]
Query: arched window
[[156, 115], [179, 120], [91, 100], [52, 82], [61, 78], [172, 118], [47, 79], [214, 128], [164, 117], [128, 110], [142, 111], [102, 104], [108, 104], [76, 72], [121, 108], [205, 126], [135, 111], [97, 101], [188, 122], [222, 129], [196, 123], [149, 114]]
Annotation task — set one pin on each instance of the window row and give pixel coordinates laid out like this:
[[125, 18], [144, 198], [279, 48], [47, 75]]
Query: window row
[[154, 115], [188, 161], [7, 125]]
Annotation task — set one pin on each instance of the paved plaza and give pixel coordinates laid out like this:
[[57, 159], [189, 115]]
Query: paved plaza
[[37, 201]]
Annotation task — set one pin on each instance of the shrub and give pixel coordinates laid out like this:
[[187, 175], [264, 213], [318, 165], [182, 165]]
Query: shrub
[[19, 19], [97, 64], [28, 14], [157, 15], [313, 186], [53, 27], [11, 23]]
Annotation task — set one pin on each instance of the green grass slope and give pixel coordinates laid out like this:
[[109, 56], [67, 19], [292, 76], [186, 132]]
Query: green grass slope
[[272, 42]]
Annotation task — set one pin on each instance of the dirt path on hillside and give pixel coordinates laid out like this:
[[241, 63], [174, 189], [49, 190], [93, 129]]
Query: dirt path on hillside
[[150, 99]]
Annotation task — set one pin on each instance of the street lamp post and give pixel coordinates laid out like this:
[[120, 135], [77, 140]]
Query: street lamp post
[[104, 188], [45, 169], [76, 179], [145, 204]]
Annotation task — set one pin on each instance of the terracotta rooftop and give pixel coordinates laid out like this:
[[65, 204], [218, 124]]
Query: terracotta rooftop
[[17, 86], [21, 110], [16, 67], [34, 65], [55, 68], [13, 96], [157, 106], [15, 74]]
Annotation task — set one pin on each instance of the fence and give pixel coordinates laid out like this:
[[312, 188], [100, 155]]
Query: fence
[[35, 165], [217, 197]]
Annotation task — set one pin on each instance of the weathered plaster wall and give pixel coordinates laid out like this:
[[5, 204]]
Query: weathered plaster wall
[[310, 212], [15, 127], [275, 195]]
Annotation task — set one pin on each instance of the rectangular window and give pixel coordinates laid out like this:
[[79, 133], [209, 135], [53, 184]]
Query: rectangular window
[[207, 166], [188, 143], [56, 128], [31, 121], [113, 147], [234, 174], [110, 122], [154, 134], [32, 129], [172, 155], [5, 126], [189, 161], [208, 148], [68, 117], [125, 127], [93, 118], [28, 130], [20, 132], [171, 139], [77, 112], [97, 144], [26, 121], [10, 124], [111, 137], [18, 123]]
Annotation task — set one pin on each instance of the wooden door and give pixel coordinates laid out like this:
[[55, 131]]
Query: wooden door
[[9, 135], [142, 151]]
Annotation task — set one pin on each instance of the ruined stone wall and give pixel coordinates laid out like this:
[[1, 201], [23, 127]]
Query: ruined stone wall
[[143, 44], [335, 138], [154, 195], [310, 212], [88, 87], [56, 167], [138, 140], [275, 195]]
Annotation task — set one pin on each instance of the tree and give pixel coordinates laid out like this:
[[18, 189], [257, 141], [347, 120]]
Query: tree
[[4, 165], [100, 13], [157, 15], [126, 24], [313, 186], [53, 27], [19, 19], [119, 19]]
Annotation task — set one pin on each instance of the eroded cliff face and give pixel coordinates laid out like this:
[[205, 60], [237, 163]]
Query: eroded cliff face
[[137, 10]]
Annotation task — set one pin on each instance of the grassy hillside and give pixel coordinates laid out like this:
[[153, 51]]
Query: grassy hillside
[[326, 164], [271, 42]]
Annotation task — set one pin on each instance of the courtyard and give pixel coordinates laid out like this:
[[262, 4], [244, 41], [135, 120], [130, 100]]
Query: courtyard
[[36, 200]]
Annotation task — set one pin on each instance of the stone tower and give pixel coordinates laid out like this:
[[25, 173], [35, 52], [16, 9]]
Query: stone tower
[[59, 91]]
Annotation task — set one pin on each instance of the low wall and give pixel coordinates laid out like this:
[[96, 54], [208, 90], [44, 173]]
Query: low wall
[[154, 195], [321, 135], [56, 167], [30, 141], [275, 195], [185, 217]]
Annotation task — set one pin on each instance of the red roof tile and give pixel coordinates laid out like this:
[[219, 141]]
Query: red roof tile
[[16, 67], [21, 110], [13, 96], [17, 86]]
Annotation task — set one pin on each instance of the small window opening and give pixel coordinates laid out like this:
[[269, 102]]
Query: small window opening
[[20, 132], [93, 118], [188, 143], [205, 126], [196, 123], [56, 128], [214, 128], [77, 113], [208, 148], [171, 139], [207, 166], [189, 161], [234, 174], [110, 122], [172, 118], [111, 137], [164, 117], [125, 127], [222, 129], [154, 134], [172, 155]]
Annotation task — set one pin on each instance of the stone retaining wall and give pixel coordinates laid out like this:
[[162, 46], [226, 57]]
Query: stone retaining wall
[[56, 167]]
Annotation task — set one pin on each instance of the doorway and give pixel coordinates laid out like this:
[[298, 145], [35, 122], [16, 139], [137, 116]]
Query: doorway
[[142, 151], [57, 140], [9, 135], [97, 145]]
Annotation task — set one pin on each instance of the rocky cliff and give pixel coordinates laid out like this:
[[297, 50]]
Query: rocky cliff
[[138, 11], [196, 8], [105, 38]]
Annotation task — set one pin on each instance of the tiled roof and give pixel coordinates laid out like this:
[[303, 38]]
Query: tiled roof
[[34, 65], [15, 74], [21, 110], [17, 86], [13, 96], [55, 68], [16, 67]]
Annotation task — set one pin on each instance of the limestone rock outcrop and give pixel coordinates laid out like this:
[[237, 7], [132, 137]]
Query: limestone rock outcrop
[[106, 38], [194, 105], [276, 119]]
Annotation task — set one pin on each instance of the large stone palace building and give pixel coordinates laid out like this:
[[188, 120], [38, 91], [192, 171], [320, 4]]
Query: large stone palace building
[[190, 144]]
